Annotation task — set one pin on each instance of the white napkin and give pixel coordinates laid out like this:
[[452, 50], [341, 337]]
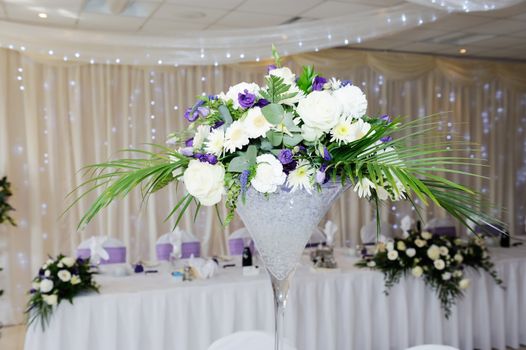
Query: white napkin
[[97, 251], [330, 230], [203, 268], [176, 240]]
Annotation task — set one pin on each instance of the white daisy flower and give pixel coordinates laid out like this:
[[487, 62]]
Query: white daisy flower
[[214, 143], [343, 132], [301, 177], [256, 124], [235, 136], [363, 187]]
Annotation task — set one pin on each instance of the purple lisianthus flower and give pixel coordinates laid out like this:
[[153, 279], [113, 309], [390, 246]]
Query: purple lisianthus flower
[[187, 151], [287, 168], [203, 111], [320, 176], [326, 155], [386, 118], [212, 97], [32, 291], [191, 114], [210, 158], [189, 142], [386, 139], [244, 180], [285, 156], [271, 67], [262, 102], [218, 124], [346, 82], [318, 83], [246, 99]]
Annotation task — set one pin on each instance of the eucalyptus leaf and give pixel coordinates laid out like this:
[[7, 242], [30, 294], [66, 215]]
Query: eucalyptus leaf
[[273, 113], [225, 114], [251, 154], [238, 164], [293, 140], [275, 138]]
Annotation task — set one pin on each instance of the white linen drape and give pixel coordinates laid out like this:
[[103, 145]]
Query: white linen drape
[[57, 117]]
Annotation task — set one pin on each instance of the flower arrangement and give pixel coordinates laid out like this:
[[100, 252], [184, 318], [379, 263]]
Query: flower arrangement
[[298, 132], [5, 207], [440, 260], [62, 278]]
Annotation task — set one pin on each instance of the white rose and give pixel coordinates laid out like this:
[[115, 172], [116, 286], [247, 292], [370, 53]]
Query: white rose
[[60, 265], [371, 263], [433, 252], [439, 264], [400, 245], [256, 125], [269, 174], [390, 246], [68, 261], [464, 283], [458, 258], [426, 235], [352, 99], [64, 275], [446, 276], [444, 251], [392, 255], [458, 273], [319, 110], [47, 273], [285, 73], [420, 243], [46, 286], [310, 134], [50, 299], [234, 91], [205, 181], [75, 280], [417, 271], [410, 252]]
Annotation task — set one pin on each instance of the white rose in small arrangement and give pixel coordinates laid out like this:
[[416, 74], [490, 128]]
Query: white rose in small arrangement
[[426, 235], [62, 279], [438, 260]]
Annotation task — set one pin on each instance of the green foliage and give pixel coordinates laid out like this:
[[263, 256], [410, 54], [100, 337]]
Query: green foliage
[[277, 90], [306, 78], [275, 55], [38, 309], [5, 207], [273, 113], [244, 160]]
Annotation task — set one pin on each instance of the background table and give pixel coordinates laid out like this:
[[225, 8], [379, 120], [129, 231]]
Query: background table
[[331, 311]]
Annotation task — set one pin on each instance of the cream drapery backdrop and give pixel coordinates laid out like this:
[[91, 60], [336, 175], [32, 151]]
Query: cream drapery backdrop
[[57, 117]]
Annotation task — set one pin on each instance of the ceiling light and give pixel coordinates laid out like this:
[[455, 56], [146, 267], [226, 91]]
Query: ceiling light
[[463, 51], [42, 15]]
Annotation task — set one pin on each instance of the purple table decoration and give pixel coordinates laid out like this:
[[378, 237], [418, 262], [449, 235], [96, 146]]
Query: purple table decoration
[[444, 230], [236, 246], [163, 250], [189, 248]]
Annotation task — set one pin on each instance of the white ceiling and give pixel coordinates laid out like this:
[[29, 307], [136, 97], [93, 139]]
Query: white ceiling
[[500, 34]]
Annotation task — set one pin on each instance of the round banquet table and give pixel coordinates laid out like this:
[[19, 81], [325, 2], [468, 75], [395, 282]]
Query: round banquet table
[[343, 309]]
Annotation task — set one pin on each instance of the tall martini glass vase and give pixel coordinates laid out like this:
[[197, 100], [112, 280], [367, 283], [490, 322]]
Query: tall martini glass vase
[[281, 224]]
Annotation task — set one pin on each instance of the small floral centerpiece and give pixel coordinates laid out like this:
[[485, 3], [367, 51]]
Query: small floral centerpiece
[[5, 207], [441, 261], [58, 279]]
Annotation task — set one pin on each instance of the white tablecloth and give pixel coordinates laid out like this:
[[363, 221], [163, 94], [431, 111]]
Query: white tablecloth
[[327, 311]]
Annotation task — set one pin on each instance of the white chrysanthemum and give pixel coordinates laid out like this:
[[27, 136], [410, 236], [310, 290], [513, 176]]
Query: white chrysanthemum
[[353, 101], [363, 187], [75, 280], [433, 252], [392, 255], [417, 271], [64, 275], [256, 124], [236, 136], [269, 174], [200, 136], [51, 300], [343, 132], [214, 143], [410, 252], [234, 91], [46, 286], [439, 264], [359, 129], [302, 177]]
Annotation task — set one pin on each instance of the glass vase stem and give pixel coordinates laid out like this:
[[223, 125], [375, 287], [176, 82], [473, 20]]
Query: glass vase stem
[[280, 290]]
